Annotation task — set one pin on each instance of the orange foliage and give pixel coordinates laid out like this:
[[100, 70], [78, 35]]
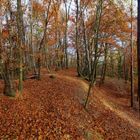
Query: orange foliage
[[5, 33]]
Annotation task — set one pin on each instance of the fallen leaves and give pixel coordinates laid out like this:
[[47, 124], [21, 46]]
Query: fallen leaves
[[47, 109], [51, 109]]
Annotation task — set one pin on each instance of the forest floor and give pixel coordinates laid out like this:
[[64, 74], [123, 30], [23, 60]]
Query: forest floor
[[52, 109]]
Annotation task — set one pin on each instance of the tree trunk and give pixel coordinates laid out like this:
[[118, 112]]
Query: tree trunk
[[43, 41], [21, 41], [87, 69], [132, 63], [104, 65], [119, 64], [8, 82], [138, 51], [77, 47], [96, 33]]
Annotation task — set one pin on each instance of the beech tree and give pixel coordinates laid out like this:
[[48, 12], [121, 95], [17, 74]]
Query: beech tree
[[7, 61]]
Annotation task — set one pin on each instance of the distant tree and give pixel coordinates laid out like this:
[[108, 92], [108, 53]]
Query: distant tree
[[67, 14], [132, 59], [138, 50]]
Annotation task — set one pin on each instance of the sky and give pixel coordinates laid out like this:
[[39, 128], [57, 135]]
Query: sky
[[128, 3]]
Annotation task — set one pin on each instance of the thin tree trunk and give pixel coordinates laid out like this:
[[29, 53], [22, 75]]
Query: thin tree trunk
[[138, 52], [96, 33], [132, 65], [21, 41], [87, 62], [119, 64], [104, 65], [42, 41], [77, 47]]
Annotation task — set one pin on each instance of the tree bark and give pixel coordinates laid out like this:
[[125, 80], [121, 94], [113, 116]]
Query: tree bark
[[96, 33], [42, 41], [21, 42], [9, 89], [104, 64], [138, 52], [77, 47], [132, 63]]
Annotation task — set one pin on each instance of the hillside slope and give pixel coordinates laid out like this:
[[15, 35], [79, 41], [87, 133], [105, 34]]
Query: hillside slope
[[53, 109]]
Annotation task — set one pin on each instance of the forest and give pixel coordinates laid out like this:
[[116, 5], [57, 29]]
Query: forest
[[69, 70]]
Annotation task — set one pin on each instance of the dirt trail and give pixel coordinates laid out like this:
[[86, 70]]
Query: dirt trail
[[101, 95], [108, 102], [52, 108], [110, 111]]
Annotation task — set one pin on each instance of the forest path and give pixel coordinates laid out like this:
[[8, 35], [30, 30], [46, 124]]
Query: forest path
[[52, 108], [118, 109], [110, 102], [118, 104]]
